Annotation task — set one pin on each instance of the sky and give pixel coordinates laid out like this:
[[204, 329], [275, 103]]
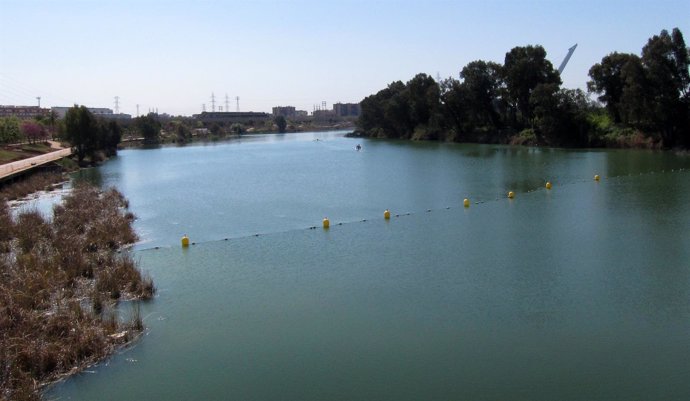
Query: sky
[[172, 55]]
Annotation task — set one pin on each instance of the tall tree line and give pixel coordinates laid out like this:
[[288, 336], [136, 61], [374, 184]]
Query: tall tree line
[[650, 92], [523, 98]]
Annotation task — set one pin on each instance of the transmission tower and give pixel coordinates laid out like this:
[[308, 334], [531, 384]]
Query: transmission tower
[[117, 104], [237, 99], [213, 102], [227, 103], [203, 107], [39, 101]]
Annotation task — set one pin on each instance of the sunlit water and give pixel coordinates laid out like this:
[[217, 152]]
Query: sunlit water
[[578, 293]]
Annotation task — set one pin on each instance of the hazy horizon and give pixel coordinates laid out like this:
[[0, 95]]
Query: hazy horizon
[[171, 55]]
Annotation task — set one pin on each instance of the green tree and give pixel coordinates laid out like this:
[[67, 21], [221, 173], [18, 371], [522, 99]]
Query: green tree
[[665, 59], [608, 79], [651, 92], [110, 136], [9, 130], [237, 128], [523, 69], [52, 123], [281, 123], [482, 81], [397, 121], [633, 105], [423, 94], [216, 130], [455, 106], [149, 127], [385, 112], [560, 115], [81, 130], [183, 132]]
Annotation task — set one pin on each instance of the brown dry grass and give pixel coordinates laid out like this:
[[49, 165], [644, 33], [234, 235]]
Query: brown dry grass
[[59, 281], [33, 183]]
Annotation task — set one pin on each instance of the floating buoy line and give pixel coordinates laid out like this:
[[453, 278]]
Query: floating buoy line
[[185, 241]]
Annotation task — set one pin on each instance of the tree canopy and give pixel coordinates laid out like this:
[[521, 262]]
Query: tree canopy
[[33, 131], [89, 135], [149, 127], [81, 130], [523, 70], [281, 123], [651, 92], [491, 102], [9, 130]]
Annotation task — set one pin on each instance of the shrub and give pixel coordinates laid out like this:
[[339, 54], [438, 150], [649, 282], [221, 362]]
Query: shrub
[[55, 288], [525, 137]]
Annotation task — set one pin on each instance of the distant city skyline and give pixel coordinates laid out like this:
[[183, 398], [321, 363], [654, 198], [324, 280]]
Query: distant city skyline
[[172, 55]]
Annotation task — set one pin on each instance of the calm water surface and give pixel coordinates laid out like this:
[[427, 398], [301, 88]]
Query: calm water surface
[[578, 293]]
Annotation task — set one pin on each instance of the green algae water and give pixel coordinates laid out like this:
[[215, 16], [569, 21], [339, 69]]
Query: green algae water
[[577, 293]]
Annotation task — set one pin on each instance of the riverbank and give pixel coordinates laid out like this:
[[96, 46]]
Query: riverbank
[[21, 151], [167, 138], [62, 280], [611, 138]]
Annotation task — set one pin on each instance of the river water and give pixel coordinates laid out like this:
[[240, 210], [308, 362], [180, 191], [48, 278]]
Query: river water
[[577, 293]]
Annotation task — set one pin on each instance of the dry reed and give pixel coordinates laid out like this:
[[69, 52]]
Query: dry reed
[[59, 281]]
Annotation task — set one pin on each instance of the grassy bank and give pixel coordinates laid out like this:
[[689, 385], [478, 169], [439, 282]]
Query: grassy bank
[[60, 280], [11, 153]]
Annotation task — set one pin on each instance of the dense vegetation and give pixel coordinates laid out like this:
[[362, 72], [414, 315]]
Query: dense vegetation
[[88, 134], [646, 101], [20, 188], [59, 281], [14, 130]]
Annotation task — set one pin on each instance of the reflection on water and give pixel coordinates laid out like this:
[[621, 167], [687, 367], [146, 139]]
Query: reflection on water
[[581, 292]]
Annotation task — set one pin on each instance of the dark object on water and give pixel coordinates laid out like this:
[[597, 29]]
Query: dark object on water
[[358, 147]]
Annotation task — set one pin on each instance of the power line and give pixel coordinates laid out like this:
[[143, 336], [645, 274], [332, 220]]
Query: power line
[[22, 91]]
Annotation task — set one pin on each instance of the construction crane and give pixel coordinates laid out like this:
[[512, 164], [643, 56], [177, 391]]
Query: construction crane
[[566, 59]]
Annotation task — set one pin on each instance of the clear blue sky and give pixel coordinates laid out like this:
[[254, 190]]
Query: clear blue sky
[[173, 54]]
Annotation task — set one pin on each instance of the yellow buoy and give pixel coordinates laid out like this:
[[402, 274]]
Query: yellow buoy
[[386, 214], [185, 241], [326, 222], [466, 202], [548, 185], [511, 195], [596, 177]]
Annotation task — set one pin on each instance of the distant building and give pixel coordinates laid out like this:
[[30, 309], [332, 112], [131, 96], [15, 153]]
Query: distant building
[[231, 117], [23, 112], [285, 111], [322, 114], [96, 111], [346, 109]]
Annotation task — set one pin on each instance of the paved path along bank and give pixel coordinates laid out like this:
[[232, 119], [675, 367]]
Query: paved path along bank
[[10, 169]]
